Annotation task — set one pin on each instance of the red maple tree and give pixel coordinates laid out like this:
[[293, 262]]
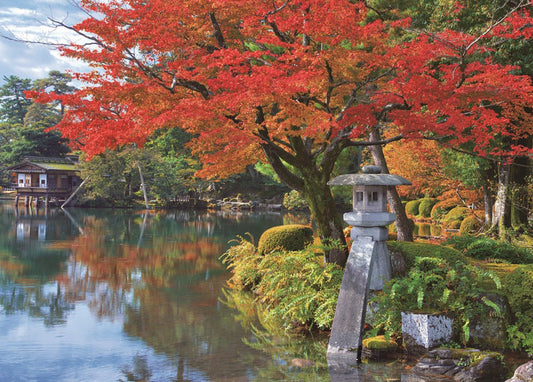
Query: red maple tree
[[293, 82]]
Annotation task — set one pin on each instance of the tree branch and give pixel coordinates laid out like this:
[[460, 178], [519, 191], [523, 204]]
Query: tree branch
[[217, 31]]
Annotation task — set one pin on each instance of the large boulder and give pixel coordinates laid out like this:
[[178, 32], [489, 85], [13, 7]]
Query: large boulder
[[490, 331]]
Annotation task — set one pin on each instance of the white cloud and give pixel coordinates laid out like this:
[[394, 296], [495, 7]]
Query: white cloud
[[29, 20]]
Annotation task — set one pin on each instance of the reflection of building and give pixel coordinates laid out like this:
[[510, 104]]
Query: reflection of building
[[47, 178], [30, 230]]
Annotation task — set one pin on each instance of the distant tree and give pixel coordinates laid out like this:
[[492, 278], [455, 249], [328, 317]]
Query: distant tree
[[13, 102], [24, 125]]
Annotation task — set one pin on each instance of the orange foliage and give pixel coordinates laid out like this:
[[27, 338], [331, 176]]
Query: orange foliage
[[420, 162], [248, 74]]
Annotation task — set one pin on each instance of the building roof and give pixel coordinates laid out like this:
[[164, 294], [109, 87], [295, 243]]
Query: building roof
[[45, 164]]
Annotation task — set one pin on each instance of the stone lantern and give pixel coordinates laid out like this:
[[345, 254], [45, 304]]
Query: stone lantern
[[368, 266]]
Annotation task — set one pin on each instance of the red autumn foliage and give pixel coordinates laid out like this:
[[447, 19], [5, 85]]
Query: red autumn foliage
[[245, 75]]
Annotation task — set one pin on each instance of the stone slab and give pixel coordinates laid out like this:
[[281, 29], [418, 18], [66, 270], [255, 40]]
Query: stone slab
[[348, 323]]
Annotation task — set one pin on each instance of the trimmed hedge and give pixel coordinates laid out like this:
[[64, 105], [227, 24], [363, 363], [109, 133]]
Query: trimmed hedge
[[441, 208], [469, 224], [425, 207], [412, 207], [291, 237]]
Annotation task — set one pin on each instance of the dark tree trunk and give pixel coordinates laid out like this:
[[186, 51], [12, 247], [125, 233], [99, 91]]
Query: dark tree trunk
[[309, 175], [520, 203], [403, 224], [327, 219]]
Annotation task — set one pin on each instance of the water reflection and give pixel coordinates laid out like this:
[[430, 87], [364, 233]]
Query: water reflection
[[119, 295]]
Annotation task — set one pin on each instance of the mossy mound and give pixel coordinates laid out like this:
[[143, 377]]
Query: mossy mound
[[412, 250], [425, 207], [455, 216], [469, 224], [291, 237], [377, 348], [379, 343], [440, 209], [412, 207]]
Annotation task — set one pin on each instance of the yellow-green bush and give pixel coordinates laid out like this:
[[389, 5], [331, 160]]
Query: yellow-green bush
[[468, 225], [455, 216], [425, 207], [292, 237], [440, 209], [411, 207], [294, 201], [289, 287]]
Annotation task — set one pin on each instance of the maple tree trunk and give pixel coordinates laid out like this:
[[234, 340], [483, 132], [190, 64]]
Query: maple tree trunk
[[403, 224], [327, 219], [520, 202], [311, 181]]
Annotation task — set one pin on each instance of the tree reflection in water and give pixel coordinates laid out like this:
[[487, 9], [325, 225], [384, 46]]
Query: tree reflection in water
[[157, 274]]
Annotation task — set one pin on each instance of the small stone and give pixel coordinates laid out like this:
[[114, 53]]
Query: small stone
[[302, 362], [371, 169]]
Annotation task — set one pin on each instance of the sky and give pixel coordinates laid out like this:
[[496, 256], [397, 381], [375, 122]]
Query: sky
[[28, 20]]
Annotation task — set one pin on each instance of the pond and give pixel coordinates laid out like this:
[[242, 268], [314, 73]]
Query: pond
[[120, 295]]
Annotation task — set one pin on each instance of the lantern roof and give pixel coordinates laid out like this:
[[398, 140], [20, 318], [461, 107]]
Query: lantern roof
[[370, 176]]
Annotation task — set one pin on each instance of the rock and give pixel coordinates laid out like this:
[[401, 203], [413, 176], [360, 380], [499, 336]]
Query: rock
[[465, 365], [302, 362], [488, 369], [524, 373], [489, 330], [379, 348]]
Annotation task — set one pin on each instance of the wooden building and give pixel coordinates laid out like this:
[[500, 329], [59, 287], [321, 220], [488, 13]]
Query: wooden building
[[44, 179]]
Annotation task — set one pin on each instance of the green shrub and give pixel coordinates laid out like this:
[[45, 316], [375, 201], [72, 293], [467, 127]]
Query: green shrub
[[460, 243], [484, 249], [412, 250], [469, 225], [517, 288], [434, 285], [456, 214], [296, 288], [411, 207], [291, 237], [294, 201], [425, 207], [243, 261], [440, 209], [290, 287]]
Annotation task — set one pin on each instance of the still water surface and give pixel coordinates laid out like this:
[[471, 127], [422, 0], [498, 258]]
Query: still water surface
[[118, 295]]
